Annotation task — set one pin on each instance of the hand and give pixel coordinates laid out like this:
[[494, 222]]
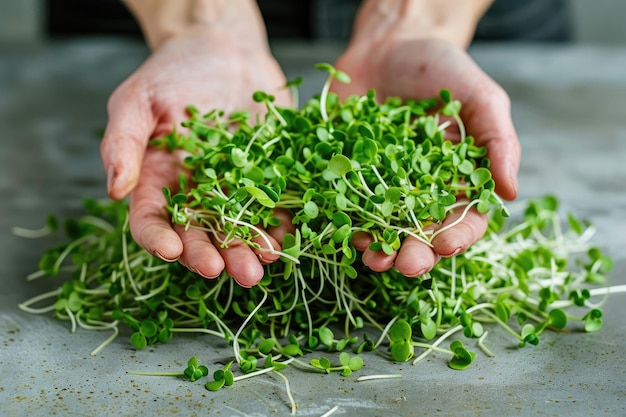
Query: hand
[[411, 67], [209, 70]]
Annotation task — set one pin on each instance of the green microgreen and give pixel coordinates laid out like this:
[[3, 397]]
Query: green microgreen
[[347, 364], [338, 168]]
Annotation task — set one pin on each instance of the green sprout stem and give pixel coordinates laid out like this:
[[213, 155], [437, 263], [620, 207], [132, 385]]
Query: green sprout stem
[[363, 378]]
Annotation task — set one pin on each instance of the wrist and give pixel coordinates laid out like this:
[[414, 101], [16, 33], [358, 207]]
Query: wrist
[[161, 20], [450, 20]]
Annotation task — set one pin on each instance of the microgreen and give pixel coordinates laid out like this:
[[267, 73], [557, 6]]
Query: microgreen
[[347, 364], [338, 168], [193, 372]]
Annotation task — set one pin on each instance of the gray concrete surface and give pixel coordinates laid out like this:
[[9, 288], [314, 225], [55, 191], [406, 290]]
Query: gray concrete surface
[[569, 108]]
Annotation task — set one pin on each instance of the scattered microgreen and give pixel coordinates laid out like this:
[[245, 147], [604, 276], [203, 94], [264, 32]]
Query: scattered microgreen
[[338, 168], [347, 364]]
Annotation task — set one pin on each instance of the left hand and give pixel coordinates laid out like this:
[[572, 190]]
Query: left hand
[[210, 70]]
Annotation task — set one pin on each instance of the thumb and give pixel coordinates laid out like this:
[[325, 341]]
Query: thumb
[[488, 118], [129, 127]]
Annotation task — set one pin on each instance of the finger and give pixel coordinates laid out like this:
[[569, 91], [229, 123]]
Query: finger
[[488, 117], [361, 240], [199, 255], [129, 127], [269, 249], [450, 241], [378, 261], [149, 220], [415, 258], [285, 226], [241, 262]]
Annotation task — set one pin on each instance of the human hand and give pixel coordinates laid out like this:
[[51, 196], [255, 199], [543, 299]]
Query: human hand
[[211, 70], [414, 67]]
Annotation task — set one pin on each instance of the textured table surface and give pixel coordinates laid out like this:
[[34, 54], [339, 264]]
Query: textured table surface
[[569, 109]]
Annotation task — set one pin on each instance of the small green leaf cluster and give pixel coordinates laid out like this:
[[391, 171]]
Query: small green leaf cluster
[[148, 331], [221, 378], [194, 370], [347, 364]]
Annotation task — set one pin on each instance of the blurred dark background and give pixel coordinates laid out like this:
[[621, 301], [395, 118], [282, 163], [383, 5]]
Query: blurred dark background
[[582, 21], [105, 17], [506, 20]]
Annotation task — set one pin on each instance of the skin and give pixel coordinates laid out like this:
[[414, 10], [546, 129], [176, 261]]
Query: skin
[[214, 54], [147, 105]]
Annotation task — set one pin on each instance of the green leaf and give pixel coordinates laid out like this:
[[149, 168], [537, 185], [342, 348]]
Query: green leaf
[[74, 302], [339, 165], [574, 224], [558, 318], [402, 351], [480, 176], [400, 331], [428, 328], [215, 385], [326, 336], [292, 349], [148, 328], [462, 357], [311, 209], [366, 131], [229, 378], [355, 363], [323, 66], [342, 77], [322, 133], [370, 149], [339, 235], [259, 96], [445, 95], [266, 346], [452, 108], [260, 196], [138, 341], [239, 157], [344, 358], [593, 320], [341, 219], [271, 193]]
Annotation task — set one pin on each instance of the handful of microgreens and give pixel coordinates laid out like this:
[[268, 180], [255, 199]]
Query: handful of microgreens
[[338, 168]]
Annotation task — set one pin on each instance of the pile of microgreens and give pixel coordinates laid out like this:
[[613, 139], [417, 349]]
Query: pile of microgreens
[[339, 168]]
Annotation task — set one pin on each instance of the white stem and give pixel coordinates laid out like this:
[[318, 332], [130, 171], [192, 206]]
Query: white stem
[[382, 376]]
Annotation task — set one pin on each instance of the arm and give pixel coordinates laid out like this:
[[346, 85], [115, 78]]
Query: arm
[[161, 20], [452, 20]]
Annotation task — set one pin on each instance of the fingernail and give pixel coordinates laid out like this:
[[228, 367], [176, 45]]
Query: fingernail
[[456, 252], [110, 177], [158, 255], [420, 273]]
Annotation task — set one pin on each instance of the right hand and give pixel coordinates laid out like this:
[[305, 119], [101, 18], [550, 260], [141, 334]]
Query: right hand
[[399, 65], [210, 70]]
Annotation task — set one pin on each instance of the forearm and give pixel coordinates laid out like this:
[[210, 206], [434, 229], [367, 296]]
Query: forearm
[[452, 20], [163, 19]]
